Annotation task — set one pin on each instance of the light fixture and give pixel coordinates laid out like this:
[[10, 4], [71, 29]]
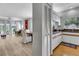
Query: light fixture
[[71, 7], [15, 19]]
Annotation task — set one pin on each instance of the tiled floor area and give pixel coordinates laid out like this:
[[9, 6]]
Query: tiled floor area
[[13, 46]]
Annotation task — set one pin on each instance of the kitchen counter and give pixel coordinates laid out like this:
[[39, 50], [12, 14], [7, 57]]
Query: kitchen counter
[[70, 34], [65, 33], [71, 30], [56, 35], [67, 30], [64, 36]]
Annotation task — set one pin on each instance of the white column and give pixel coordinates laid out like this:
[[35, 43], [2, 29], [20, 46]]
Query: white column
[[37, 30], [40, 32]]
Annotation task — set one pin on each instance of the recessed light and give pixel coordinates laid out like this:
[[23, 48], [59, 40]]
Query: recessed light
[[71, 7]]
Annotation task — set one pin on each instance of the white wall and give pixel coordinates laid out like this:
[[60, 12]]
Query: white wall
[[23, 10], [71, 12]]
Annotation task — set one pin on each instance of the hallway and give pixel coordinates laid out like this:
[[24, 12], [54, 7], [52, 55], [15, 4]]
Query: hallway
[[13, 46]]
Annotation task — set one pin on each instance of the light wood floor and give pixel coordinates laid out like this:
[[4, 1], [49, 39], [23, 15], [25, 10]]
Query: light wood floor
[[13, 46], [62, 50]]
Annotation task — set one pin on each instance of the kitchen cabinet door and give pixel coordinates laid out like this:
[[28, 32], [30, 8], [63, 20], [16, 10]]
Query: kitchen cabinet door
[[71, 39], [56, 42]]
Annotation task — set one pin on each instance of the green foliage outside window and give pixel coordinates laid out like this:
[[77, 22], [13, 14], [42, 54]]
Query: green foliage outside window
[[72, 20]]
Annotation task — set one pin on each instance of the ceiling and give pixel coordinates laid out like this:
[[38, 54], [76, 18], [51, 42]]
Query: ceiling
[[60, 7], [23, 10]]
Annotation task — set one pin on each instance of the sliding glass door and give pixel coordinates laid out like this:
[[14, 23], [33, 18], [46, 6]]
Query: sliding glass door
[[5, 28], [2, 29]]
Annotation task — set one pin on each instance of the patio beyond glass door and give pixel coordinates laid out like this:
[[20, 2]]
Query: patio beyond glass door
[[8, 29], [5, 29], [2, 29]]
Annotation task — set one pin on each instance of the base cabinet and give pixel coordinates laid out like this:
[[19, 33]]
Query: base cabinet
[[71, 39], [55, 42], [64, 38]]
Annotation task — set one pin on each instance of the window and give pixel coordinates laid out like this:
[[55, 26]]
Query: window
[[72, 23]]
